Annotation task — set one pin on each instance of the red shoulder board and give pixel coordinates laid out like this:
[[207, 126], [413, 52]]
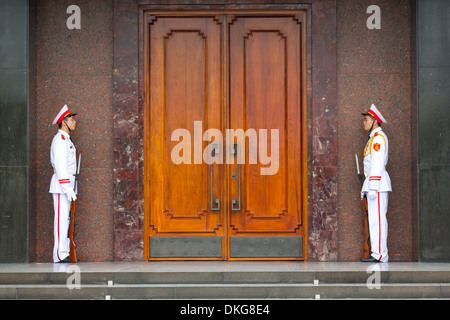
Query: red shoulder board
[[376, 133], [62, 136]]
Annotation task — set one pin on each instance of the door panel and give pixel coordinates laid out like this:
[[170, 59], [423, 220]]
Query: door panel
[[265, 93], [243, 74], [184, 101]]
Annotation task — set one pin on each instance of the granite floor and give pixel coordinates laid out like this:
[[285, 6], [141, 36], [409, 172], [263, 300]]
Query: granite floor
[[223, 266]]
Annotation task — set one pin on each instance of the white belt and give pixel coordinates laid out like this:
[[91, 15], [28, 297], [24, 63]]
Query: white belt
[[74, 172], [367, 174]]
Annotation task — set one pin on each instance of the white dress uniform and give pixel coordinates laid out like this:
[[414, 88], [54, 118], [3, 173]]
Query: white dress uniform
[[377, 184], [63, 160]]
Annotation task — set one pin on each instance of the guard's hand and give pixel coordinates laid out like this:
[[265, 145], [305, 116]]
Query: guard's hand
[[372, 195], [71, 195]]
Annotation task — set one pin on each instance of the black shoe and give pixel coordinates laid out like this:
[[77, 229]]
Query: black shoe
[[370, 259]]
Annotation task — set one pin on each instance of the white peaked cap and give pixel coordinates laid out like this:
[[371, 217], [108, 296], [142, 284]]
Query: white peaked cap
[[374, 112], [64, 112]]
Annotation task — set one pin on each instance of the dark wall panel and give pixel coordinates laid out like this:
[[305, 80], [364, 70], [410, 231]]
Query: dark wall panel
[[13, 214], [433, 31], [14, 130]]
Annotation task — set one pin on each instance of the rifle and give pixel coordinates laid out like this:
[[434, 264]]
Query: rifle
[[366, 243], [73, 247]]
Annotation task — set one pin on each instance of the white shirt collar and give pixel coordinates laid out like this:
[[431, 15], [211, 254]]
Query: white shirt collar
[[375, 130], [64, 133]]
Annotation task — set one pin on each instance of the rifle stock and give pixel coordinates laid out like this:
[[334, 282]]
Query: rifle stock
[[73, 246], [366, 243]]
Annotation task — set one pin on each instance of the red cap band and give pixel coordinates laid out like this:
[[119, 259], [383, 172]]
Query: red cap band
[[62, 117], [375, 116]]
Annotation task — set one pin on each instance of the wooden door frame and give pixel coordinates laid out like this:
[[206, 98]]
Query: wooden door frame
[[302, 12]]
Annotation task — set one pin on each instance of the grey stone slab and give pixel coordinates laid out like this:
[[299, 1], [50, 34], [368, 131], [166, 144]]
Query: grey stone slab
[[13, 214], [434, 220], [242, 247], [185, 247], [433, 32], [434, 115], [221, 292]]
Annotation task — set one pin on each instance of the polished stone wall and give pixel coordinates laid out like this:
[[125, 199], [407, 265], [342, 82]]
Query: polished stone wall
[[74, 67], [97, 71], [377, 66], [322, 124], [14, 134], [434, 129]]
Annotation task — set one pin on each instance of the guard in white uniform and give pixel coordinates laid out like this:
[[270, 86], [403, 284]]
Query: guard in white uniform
[[377, 184], [63, 160]]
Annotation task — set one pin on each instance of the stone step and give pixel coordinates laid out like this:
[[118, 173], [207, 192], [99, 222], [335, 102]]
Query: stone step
[[200, 280], [302, 277], [227, 291]]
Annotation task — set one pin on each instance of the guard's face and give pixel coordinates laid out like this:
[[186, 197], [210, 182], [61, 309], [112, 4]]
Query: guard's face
[[72, 123], [368, 120]]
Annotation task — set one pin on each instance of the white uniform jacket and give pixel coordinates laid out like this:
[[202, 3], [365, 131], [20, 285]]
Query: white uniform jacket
[[63, 160], [375, 160]]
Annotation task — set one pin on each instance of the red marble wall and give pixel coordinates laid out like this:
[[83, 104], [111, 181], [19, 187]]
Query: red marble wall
[[97, 71], [377, 66], [74, 67], [322, 124], [323, 119], [128, 207]]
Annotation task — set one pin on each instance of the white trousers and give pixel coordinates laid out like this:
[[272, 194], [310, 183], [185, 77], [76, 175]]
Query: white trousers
[[61, 248], [378, 226]]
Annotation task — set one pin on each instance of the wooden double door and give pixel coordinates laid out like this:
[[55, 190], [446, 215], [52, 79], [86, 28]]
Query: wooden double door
[[225, 136]]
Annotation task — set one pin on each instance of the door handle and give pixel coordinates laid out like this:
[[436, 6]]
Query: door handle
[[236, 150], [215, 148]]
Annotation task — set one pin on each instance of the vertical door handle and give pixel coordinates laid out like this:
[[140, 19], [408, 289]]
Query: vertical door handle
[[236, 150], [215, 149]]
